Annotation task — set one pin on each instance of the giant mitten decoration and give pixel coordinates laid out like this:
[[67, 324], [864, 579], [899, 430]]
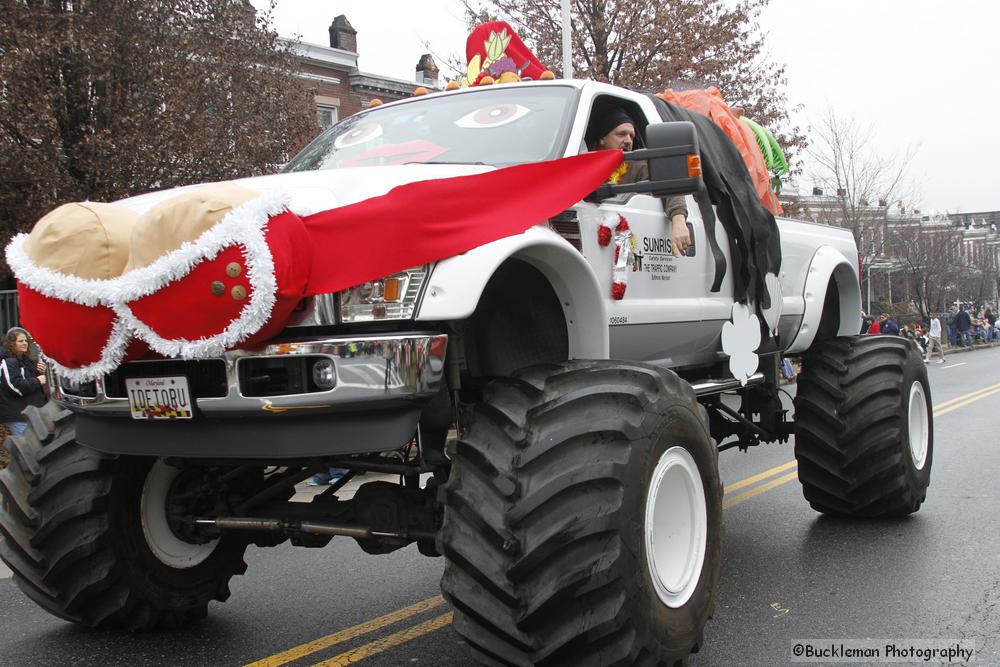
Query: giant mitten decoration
[[223, 266]]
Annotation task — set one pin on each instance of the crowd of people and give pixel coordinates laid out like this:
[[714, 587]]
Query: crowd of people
[[962, 326]]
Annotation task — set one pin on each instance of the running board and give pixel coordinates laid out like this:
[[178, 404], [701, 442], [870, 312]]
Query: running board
[[710, 386]]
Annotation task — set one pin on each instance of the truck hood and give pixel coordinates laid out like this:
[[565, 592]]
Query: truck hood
[[313, 191]]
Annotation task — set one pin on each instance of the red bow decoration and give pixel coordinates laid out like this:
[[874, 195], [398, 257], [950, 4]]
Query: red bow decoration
[[238, 282]]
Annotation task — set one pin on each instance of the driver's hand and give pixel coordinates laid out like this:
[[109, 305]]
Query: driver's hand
[[680, 235]]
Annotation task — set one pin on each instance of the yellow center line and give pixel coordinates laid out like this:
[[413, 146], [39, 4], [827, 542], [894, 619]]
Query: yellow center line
[[938, 411], [747, 495], [756, 478], [413, 632], [395, 639], [944, 404], [341, 636]]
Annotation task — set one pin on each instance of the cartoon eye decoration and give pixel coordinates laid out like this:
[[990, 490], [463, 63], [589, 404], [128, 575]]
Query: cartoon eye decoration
[[494, 115], [359, 135]]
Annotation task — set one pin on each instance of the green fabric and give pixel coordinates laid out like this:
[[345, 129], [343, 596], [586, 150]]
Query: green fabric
[[762, 143], [774, 157]]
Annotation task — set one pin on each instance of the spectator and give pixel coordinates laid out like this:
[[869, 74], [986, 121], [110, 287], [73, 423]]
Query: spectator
[[330, 476], [888, 325], [962, 324], [22, 381], [949, 324], [934, 340], [874, 328], [866, 322]]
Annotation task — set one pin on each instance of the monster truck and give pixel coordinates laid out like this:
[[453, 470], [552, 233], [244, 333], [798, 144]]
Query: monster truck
[[557, 446]]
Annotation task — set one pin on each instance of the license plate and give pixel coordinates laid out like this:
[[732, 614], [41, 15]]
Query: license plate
[[159, 398]]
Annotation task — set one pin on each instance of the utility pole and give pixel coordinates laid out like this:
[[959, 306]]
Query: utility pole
[[567, 45], [869, 281]]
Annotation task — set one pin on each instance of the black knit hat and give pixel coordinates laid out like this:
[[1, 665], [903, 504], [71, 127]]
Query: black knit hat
[[603, 120]]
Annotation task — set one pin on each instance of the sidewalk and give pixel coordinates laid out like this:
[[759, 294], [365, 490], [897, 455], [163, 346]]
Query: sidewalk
[[948, 349]]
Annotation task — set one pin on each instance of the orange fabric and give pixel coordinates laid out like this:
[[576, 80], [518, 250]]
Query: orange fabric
[[709, 103]]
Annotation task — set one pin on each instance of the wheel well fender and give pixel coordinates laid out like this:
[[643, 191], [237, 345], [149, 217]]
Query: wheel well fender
[[456, 285], [831, 276]]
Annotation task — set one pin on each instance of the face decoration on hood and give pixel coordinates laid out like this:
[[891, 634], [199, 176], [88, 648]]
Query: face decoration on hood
[[488, 117], [492, 116], [404, 153]]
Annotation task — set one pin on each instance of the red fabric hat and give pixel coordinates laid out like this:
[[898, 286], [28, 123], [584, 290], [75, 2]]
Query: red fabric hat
[[494, 48]]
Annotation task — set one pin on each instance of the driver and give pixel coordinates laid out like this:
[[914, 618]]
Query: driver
[[611, 127]]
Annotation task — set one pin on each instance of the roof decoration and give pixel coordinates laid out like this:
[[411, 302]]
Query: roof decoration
[[495, 53]]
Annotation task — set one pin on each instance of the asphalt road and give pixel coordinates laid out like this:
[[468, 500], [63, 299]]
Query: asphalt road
[[788, 573]]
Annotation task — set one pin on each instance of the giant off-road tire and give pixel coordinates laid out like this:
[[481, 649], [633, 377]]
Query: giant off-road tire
[[583, 518], [87, 538], [864, 434]]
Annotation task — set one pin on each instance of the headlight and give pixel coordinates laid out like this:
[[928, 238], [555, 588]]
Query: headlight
[[391, 298], [324, 374]]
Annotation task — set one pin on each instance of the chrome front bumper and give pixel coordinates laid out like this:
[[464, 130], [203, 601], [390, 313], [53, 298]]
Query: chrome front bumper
[[371, 371]]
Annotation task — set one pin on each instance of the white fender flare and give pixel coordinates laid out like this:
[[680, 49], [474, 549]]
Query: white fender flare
[[828, 264], [456, 284]]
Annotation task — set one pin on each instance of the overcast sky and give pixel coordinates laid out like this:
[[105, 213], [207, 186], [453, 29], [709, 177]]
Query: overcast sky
[[923, 73]]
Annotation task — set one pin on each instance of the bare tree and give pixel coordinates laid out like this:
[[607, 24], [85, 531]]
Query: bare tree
[[927, 257], [653, 44], [100, 99], [867, 185]]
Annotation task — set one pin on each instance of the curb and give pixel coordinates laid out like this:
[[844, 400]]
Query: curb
[[971, 348]]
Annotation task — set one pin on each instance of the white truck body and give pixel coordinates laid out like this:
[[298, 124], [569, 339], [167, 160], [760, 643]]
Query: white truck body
[[665, 291]]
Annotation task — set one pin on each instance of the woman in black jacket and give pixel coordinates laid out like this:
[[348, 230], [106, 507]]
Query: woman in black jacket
[[22, 381]]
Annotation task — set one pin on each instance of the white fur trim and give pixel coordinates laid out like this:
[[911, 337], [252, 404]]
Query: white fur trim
[[53, 284], [243, 226], [111, 357]]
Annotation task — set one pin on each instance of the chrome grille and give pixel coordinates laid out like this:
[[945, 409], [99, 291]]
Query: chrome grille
[[567, 225]]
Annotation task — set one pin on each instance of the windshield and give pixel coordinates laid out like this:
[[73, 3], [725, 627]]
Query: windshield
[[500, 126]]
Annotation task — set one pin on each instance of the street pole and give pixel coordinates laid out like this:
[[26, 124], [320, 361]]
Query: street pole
[[869, 311], [567, 46]]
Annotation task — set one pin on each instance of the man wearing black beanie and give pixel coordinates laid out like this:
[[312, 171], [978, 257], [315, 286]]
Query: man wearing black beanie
[[611, 128]]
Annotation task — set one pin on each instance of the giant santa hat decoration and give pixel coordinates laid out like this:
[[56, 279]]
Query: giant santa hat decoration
[[222, 266]]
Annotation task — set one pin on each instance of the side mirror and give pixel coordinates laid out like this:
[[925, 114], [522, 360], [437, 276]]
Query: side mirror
[[674, 163]]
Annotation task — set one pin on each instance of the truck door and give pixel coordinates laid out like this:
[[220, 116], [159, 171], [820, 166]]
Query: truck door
[[667, 313]]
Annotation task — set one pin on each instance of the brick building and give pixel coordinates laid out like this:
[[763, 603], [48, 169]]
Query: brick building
[[339, 87], [970, 240]]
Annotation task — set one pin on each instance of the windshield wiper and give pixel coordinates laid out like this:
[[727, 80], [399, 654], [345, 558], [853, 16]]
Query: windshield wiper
[[478, 164]]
